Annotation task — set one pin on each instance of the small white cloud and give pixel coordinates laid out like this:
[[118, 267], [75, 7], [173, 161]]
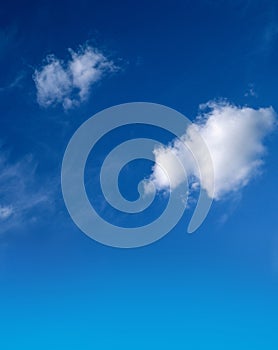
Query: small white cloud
[[234, 137], [53, 82], [251, 92], [69, 83], [5, 212], [87, 67]]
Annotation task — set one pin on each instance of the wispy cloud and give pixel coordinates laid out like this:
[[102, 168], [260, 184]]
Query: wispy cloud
[[270, 34], [6, 211], [16, 82], [69, 83], [235, 138], [7, 38], [251, 92], [20, 194]]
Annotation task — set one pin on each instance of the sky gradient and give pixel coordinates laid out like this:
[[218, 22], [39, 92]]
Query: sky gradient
[[214, 289]]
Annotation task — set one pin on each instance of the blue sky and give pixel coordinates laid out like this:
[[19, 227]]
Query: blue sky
[[214, 289]]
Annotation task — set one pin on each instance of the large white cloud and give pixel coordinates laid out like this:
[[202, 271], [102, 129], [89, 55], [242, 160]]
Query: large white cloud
[[234, 136], [69, 82]]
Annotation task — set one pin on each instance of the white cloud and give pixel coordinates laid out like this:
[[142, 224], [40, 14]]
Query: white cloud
[[5, 212], [234, 137], [69, 83], [53, 82], [87, 67]]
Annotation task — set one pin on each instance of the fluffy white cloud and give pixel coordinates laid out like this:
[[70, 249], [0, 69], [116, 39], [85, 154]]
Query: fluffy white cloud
[[53, 82], [234, 137], [69, 82]]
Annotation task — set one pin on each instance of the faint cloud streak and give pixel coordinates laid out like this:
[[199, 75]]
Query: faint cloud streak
[[20, 196]]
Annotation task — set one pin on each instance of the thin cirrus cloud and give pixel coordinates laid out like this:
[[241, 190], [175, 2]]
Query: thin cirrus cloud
[[69, 83], [20, 195], [235, 139]]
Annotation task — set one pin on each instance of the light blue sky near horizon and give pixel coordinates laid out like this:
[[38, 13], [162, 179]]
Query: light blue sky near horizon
[[214, 289]]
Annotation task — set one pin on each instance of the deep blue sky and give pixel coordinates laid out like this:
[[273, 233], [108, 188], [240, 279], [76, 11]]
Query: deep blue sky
[[216, 289]]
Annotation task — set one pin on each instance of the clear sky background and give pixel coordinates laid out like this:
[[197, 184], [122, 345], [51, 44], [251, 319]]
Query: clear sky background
[[59, 289]]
